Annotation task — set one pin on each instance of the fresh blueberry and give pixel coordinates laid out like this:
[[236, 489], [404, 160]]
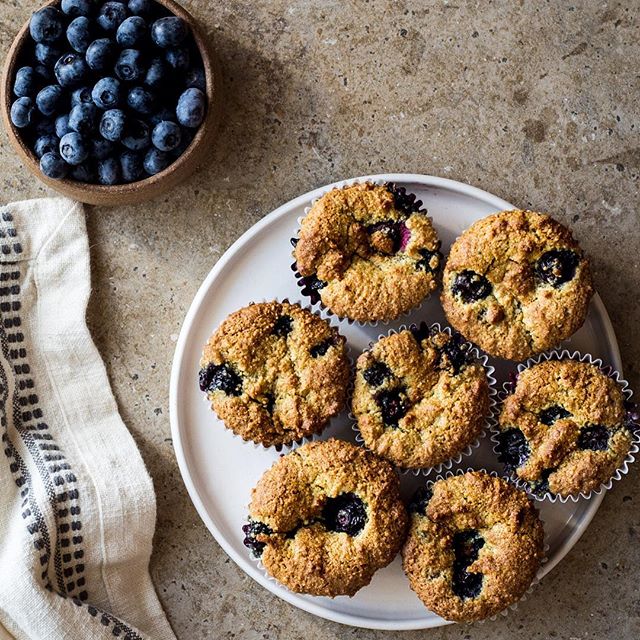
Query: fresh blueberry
[[186, 136], [84, 172], [46, 25], [594, 437], [471, 286], [220, 377], [79, 34], [513, 448], [107, 93], [130, 65], [140, 7], [196, 78], [136, 135], [45, 126], [141, 100], [82, 95], [47, 54], [53, 166], [283, 326], [420, 500], [100, 148], [466, 548], [321, 348], [22, 112], [251, 532], [25, 82], [556, 267], [178, 58], [345, 513], [44, 74], [131, 32], [112, 125], [169, 32], [101, 54], [49, 99], [83, 117], [111, 15], [191, 108], [62, 125], [73, 148], [166, 136], [393, 406], [555, 412], [45, 144], [156, 161], [403, 201], [71, 70], [165, 114], [109, 171], [377, 373], [131, 166], [430, 261], [156, 75], [76, 8]]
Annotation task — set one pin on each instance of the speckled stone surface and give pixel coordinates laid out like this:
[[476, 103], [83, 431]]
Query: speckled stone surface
[[536, 102]]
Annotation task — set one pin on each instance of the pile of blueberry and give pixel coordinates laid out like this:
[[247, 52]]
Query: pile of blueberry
[[110, 92]]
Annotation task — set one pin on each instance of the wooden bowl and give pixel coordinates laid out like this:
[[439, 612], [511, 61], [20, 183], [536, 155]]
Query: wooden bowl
[[132, 192]]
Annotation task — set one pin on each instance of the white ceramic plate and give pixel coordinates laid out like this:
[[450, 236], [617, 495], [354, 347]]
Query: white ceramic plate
[[219, 469]]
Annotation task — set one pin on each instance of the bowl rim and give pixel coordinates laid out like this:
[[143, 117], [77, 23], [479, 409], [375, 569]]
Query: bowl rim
[[32, 163]]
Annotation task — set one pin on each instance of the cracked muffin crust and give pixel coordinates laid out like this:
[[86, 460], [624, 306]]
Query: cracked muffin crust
[[474, 547], [420, 397], [275, 372], [369, 252], [325, 517], [564, 429], [516, 283]]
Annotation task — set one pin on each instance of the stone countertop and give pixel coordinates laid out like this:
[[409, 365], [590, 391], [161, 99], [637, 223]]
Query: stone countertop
[[535, 102]]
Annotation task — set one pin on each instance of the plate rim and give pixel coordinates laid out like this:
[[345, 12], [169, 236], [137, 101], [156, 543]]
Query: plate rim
[[176, 369]]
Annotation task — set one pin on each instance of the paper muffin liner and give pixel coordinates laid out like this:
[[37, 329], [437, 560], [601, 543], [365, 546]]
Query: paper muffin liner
[[627, 393], [326, 310], [545, 550], [483, 359], [294, 444]]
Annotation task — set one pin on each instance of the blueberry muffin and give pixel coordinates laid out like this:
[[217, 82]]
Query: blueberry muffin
[[420, 397], [516, 283], [564, 429], [275, 373], [474, 547], [368, 252], [326, 517]]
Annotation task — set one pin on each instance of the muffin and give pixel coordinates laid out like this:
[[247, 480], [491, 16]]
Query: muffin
[[420, 397], [368, 252], [474, 547], [563, 430], [275, 373], [324, 518], [516, 283]]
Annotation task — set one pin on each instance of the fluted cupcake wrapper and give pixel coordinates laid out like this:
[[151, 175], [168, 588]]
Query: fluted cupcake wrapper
[[319, 303], [483, 359], [294, 444], [508, 387], [545, 550]]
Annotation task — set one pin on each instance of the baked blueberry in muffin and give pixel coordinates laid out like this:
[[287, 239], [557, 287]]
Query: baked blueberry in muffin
[[420, 396], [474, 546], [275, 373], [516, 283], [368, 252], [564, 429], [325, 517]]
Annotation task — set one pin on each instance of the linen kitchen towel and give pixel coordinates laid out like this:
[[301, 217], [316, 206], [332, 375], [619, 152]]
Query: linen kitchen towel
[[77, 507]]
